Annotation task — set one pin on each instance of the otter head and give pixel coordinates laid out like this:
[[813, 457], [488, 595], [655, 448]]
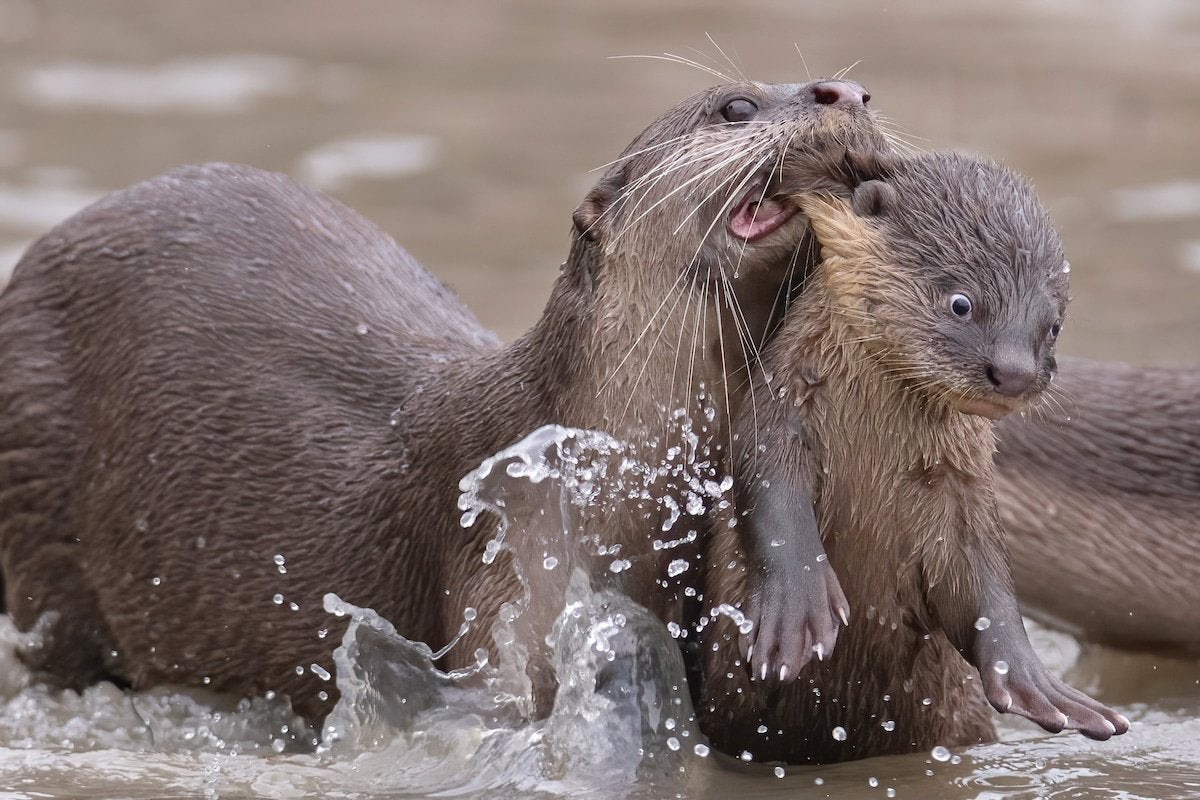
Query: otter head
[[952, 274], [685, 242]]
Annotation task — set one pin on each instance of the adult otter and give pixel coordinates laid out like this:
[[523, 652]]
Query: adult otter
[[936, 306], [217, 376], [1099, 492]]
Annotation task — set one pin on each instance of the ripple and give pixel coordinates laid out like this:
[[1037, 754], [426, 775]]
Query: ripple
[[216, 84], [336, 164]]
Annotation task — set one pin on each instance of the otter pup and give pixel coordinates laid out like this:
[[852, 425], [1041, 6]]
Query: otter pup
[[223, 395], [934, 309]]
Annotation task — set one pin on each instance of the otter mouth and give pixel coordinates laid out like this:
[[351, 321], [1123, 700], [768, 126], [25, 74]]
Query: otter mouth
[[758, 215], [983, 407]]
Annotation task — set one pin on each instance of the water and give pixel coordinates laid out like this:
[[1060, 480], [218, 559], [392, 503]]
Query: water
[[622, 724], [468, 131]]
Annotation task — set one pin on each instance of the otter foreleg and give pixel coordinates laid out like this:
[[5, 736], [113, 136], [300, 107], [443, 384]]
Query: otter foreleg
[[981, 618]]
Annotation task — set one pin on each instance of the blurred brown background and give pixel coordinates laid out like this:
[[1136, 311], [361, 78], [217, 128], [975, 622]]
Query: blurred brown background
[[467, 130]]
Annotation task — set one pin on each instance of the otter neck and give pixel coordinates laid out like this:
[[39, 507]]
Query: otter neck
[[623, 344]]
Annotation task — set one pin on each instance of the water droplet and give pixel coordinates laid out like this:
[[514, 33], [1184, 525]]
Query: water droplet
[[746, 756], [873, 782], [156, 580], [141, 524], [323, 695], [701, 750], [277, 599], [299, 670], [1001, 667], [940, 753], [839, 733], [674, 629], [889, 725], [277, 745], [779, 772], [819, 781], [319, 671], [673, 743], [469, 614], [362, 329], [926, 701], [890, 792], [293, 606], [1066, 267], [677, 567], [620, 565], [982, 624], [396, 416], [321, 634]]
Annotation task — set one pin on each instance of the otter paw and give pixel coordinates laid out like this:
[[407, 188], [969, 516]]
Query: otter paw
[[796, 619], [1032, 692]]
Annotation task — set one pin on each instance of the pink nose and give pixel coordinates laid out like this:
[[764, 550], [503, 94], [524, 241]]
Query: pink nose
[[844, 93]]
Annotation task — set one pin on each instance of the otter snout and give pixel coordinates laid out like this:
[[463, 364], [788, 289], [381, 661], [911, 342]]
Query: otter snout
[[840, 93], [1012, 373]]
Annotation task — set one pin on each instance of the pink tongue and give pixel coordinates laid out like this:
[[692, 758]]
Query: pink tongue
[[753, 219]]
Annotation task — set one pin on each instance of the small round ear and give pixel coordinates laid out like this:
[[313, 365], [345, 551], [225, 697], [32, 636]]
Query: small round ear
[[873, 198], [598, 201]]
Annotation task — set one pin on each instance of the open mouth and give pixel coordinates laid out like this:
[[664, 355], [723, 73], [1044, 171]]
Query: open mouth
[[758, 215]]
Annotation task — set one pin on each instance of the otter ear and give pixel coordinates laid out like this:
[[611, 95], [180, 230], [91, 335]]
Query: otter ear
[[873, 198], [598, 201]]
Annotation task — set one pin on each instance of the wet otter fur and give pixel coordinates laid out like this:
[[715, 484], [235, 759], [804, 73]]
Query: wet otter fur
[[1099, 492], [217, 369], [936, 305]]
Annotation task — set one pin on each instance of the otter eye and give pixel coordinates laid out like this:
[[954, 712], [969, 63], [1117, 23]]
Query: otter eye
[[960, 305], [1054, 329], [739, 110]]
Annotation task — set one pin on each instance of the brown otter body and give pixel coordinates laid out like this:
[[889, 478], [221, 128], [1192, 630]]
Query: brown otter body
[[1100, 495], [914, 316], [218, 373]]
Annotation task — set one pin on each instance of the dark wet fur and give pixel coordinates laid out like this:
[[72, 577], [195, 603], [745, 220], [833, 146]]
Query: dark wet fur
[[1099, 491]]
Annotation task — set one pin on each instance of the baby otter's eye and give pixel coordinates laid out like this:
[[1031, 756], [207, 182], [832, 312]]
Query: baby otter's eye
[[739, 110], [1054, 329], [960, 305]]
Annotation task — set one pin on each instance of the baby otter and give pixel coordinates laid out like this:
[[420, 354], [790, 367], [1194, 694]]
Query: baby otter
[[935, 308]]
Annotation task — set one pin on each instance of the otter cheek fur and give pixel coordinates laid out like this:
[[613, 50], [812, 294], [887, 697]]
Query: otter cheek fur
[[936, 305]]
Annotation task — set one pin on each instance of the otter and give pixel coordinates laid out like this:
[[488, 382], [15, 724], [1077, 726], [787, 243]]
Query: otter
[[223, 395], [935, 308], [1099, 492]]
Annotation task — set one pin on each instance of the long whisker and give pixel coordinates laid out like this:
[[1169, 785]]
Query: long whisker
[[807, 72], [679, 279], [672, 58]]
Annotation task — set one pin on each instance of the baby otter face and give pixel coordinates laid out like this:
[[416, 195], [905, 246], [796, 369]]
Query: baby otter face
[[952, 273]]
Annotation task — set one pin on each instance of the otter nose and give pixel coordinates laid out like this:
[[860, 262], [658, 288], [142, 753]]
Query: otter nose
[[1011, 375], [840, 93]]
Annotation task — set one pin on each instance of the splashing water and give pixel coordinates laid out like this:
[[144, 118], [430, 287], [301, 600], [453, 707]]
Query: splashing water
[[621, 725]]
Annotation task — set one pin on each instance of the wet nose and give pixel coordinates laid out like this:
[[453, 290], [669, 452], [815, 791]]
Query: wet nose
[[1011, 376], [840, 93]]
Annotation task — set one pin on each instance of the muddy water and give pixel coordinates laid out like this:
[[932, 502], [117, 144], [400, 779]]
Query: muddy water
[[468, 131]]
